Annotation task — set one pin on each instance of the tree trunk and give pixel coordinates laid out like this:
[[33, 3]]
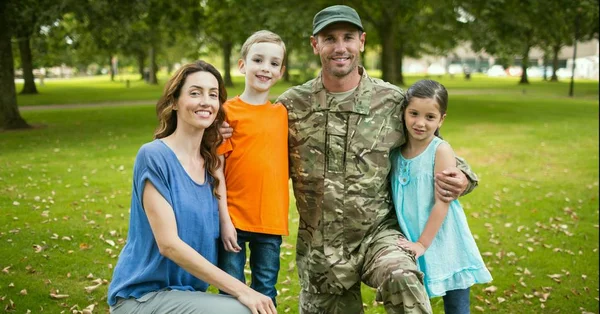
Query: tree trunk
[[153, 68], [286, 74], [140, 59], [524, 66], [27, 64], [111, 68], [10, 118], [388, 64], [545, 66], [399, 61], [227, 46], [555, 51]]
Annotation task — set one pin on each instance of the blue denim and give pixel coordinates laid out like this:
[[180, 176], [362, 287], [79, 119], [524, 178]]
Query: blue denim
[[264, 261], [457, 301]]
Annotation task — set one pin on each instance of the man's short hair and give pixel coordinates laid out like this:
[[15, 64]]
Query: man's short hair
[[262, 36]]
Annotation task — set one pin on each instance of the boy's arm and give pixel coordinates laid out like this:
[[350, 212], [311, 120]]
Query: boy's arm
[[228, 232]]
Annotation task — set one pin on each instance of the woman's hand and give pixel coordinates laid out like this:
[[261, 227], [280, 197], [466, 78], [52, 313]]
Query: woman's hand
[[257, 303], [229, 236], [417, 248]]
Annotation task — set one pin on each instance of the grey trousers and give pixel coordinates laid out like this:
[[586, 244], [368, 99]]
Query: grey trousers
[[180, 302]]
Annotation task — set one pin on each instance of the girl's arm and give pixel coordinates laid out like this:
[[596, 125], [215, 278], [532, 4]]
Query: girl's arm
[[444, 158], [164, 227], [228, 233]]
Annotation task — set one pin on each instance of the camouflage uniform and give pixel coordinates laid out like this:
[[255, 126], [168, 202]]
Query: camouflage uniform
[[348, 231]]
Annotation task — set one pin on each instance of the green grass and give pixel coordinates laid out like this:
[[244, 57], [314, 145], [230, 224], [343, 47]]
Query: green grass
[[65, 190], [100, 89]]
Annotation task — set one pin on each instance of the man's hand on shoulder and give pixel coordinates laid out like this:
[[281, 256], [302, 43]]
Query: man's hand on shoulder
[[226, 130], [450, 184]]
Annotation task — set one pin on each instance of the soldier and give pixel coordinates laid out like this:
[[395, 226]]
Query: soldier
[[342, 127]]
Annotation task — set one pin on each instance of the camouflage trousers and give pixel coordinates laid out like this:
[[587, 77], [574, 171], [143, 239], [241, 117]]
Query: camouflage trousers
[[386, 267]]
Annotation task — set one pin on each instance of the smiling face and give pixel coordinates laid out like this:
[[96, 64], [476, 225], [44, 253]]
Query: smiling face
[[422, 118], [339, 46], [263, 66], [198, 102]]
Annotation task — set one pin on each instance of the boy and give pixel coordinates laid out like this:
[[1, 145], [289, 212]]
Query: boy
[[256, 168]]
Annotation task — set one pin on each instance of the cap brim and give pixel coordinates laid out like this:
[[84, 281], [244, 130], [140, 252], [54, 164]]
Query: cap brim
[[321, 26]]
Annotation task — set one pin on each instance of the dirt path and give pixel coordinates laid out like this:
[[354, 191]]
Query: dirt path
[[92, 105]]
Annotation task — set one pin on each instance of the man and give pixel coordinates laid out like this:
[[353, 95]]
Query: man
[[342, 127]]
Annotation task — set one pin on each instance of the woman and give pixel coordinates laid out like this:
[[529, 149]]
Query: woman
[[168, 261]]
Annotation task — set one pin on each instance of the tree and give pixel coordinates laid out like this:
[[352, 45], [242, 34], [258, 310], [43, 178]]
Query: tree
[[409, 29], [26, 17], [563, 15], [506, 27], [10, 118]]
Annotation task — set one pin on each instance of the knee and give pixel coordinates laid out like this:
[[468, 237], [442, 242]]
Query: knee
[[406, 277]]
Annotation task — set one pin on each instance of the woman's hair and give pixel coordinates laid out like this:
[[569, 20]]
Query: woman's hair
[[167, 117], [428, 89]]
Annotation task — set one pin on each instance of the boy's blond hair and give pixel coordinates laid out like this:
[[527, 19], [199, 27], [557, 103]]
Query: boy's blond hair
[[262, 36]]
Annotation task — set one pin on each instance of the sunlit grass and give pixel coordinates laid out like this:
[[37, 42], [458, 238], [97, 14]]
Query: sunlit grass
[[65, 191]]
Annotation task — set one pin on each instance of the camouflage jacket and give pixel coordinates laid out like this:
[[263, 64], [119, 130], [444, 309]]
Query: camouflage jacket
[[339, 166]]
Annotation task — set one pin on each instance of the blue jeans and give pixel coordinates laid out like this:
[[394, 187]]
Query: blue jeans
[[264, 261], [457, 301]]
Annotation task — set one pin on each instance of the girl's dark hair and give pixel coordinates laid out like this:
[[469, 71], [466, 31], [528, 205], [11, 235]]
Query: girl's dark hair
[[167, 118], [428, 89]]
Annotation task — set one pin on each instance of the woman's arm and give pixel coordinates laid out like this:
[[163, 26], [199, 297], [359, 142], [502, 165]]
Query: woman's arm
[[444, 158], [228, 233], [164, 227]]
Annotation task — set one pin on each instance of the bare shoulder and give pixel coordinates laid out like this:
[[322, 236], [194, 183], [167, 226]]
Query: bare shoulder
[[444, 156]]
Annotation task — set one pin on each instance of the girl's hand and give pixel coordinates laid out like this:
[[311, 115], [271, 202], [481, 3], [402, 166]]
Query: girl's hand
[[257, 303], [417, 248], [229, 236]]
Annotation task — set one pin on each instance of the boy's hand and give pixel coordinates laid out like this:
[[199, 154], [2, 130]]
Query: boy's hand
[[225, 130], [450, 184], [229, 237], [417, 248]]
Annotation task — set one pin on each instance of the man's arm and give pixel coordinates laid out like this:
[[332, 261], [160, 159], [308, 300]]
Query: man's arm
[[455, 181], [471, 176]]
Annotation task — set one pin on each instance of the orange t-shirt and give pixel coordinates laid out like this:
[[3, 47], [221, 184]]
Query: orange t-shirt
[[256, 166]]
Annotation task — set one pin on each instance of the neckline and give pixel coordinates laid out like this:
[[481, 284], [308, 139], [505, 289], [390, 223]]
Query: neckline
[[240, 100], [421, 153], [183, 168]]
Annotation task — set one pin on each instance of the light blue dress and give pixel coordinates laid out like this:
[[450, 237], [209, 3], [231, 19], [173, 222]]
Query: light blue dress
[[453, 260]]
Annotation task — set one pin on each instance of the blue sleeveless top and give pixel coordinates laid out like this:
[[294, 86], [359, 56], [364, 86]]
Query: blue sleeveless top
[[141, 268], [453, 260]]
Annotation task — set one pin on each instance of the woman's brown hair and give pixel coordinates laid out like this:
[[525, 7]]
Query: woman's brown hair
[[167, 118]]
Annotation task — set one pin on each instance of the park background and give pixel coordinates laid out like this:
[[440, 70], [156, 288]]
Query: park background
[[88, 74]]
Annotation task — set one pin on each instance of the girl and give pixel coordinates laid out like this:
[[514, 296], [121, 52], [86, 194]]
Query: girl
[[437, 232], [168, 260]]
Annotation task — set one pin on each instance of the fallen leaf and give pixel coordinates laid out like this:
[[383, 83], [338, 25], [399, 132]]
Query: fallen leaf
[[490, 289], [58, 296]]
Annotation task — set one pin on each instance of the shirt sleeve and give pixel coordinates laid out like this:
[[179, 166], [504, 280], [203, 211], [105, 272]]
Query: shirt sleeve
[[149, 165], [466, 169], [225, 148]]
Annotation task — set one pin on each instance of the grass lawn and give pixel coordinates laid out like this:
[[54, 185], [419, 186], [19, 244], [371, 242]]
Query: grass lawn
[[65, 192]]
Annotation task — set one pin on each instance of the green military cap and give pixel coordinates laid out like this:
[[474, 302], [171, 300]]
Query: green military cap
[[335, 14]]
